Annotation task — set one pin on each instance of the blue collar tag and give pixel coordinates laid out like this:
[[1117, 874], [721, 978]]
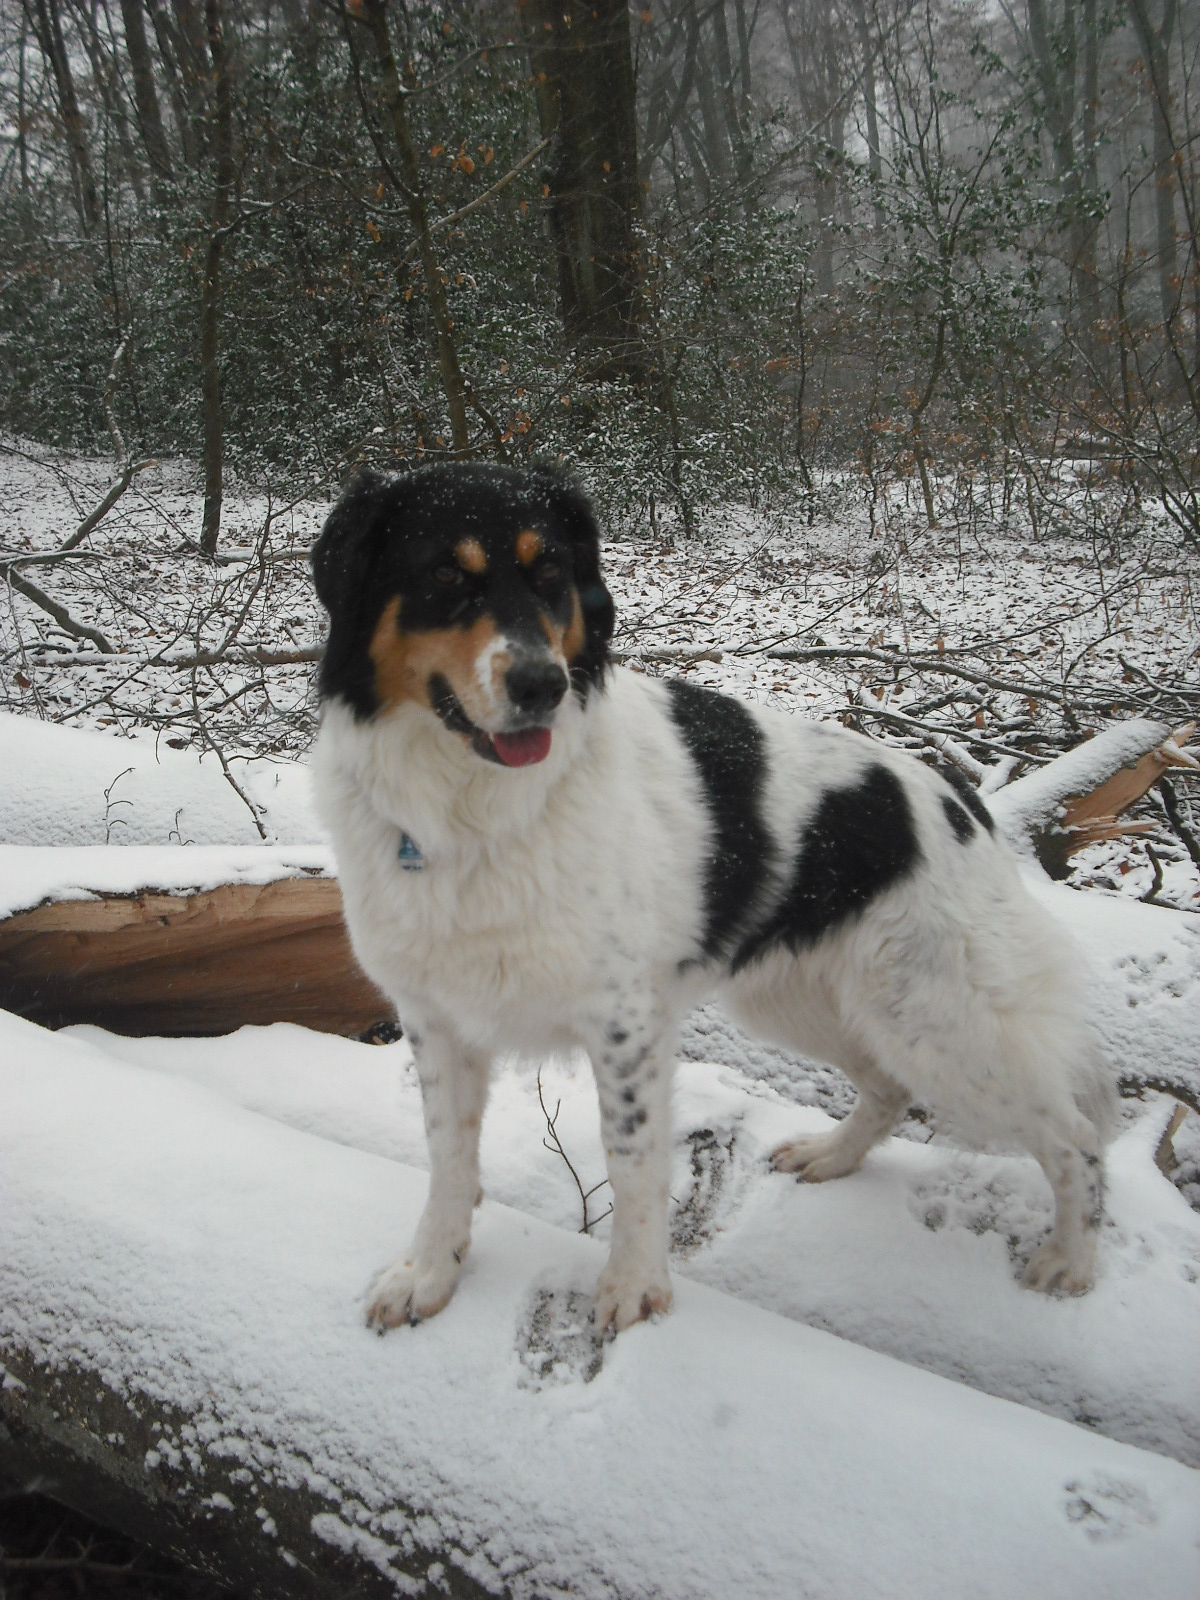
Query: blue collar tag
[[409, 854]]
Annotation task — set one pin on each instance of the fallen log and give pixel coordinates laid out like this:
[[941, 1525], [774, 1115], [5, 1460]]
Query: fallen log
[[181, 1347], [1079, 799], [181, 960]]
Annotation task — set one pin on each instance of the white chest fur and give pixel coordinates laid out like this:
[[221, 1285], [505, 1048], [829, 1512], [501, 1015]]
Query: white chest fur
[[543, 892]]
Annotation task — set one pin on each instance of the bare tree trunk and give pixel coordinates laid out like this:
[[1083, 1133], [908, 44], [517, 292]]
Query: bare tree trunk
[[871, 109], [374, 14], [816, 47], [22, 145], [210, 289], [1055, 60], [47, 25], [169, 53], [1156, 51], [102, 53], [595, 197], [154, 136], [733, 106]]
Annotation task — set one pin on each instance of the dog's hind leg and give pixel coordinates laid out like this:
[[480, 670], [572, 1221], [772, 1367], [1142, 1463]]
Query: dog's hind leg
[[633, 1069], [1070, 1156], [880, 1105], [454, 1085]]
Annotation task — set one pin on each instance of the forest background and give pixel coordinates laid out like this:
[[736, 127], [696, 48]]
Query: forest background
[[697, 250]]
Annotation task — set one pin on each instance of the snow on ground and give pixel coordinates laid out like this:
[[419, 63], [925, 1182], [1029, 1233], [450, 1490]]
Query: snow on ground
[[68, 786], [186, 1248]]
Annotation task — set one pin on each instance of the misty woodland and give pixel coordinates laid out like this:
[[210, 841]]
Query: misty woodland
[[724, 248]]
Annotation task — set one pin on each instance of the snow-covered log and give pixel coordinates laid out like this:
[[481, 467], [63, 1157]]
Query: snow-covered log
[[1078, 798], [182, 1336], [159, 939]]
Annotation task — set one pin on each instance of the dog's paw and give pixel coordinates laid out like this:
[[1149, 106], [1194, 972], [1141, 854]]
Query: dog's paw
[[625, 1298], [816, 1158], [406, 1293], [1055, 1270]]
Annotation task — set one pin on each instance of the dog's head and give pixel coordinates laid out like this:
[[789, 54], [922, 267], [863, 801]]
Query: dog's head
[[472, 591]]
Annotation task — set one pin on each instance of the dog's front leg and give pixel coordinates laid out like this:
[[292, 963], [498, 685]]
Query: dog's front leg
[[454, 1085], [633, 1077]]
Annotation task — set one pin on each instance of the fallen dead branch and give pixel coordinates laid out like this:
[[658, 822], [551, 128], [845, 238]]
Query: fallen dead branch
[[1079, 798]]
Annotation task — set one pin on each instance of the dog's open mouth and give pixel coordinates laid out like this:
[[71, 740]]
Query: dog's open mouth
[[524, 749]]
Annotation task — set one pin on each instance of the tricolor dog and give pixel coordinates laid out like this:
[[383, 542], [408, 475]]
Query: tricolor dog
[[540, 851]]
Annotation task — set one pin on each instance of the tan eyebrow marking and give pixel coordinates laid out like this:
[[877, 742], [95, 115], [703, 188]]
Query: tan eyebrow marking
[[529, 546], [471, 555]]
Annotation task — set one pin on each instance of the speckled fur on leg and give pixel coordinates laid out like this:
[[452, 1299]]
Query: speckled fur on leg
[[454, 1085], [1070, 1157], [633, 1065]]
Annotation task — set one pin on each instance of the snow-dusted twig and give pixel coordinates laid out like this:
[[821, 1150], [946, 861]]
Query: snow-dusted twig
[[554, 1144]]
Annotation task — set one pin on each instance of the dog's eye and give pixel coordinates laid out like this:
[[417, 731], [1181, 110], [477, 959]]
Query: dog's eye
[[549, 572], [448, 573]]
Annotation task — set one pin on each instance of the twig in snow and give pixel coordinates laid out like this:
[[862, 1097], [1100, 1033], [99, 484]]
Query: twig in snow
[[1155, 888], [206, 734], [554, 1144]]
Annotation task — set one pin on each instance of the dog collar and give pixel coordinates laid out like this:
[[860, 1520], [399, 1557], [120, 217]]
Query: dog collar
[[409, 855]]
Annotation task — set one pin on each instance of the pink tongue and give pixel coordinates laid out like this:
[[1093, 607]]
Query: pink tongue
[[522, 749]]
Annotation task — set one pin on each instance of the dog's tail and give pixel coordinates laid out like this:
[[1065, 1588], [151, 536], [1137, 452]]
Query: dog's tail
[[1094, 1090]]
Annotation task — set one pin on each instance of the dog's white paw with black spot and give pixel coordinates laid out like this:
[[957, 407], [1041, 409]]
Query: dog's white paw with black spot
[[404, 1292], [816, 1158], [626, 1297], [1053, 1269]]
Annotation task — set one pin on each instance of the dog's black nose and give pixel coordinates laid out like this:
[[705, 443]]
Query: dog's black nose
[[535, 687]]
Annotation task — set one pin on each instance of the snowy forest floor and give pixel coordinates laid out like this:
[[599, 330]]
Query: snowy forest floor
[[1009, 642]]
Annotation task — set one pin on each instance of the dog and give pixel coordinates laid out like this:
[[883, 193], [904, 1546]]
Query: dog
[[539, 851]]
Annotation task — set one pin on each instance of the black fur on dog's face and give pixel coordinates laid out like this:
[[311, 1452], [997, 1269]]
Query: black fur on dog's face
[[471, 590]]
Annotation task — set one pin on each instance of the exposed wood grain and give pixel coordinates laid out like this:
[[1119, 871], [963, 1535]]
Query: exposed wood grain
[[1128, 784], [198, 963]]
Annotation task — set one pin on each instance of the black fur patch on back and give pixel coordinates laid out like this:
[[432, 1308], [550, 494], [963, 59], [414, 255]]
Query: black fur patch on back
[[857, 843], [727, 747], [964, 828], [969, 795]]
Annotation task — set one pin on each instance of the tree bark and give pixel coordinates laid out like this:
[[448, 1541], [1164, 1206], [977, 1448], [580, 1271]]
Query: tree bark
[[1156, 51], [582, 57], [154, 136], [169, 50], [374, 14], [1055, 54], [1077, 798], [210, 288], [64, 1429], [47, 25]]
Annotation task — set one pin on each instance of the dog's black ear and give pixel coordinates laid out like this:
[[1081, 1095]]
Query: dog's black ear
[[578, 520], [341, 562], [343, 550]]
